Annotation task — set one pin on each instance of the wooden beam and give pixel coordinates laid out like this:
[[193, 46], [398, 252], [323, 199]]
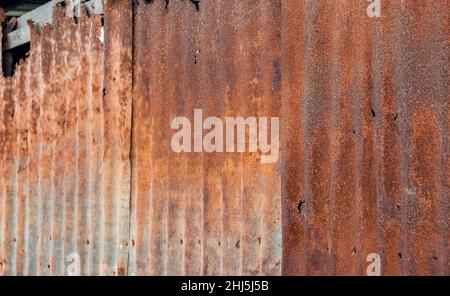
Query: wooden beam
[[44, 15]]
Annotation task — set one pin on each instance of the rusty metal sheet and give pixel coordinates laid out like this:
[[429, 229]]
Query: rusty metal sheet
[[117, 129], [204, 213], [53, 185], [365, 148], [87, 169]]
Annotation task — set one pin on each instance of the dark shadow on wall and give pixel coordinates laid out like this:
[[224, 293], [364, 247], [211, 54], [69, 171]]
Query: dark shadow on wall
[[11, 57]]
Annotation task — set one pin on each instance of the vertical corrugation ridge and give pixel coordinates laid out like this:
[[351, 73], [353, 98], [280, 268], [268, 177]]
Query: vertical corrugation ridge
[[140, 162], [47, 149], [3, 263], [212, 105], [257, 98], [84, 194], [335, 91], [71, 138], [117, 104], [194, 239], [343, 151], [293, 33], [165, 84], [35, 153], [157, 235], [61, 80], [98, 213], [26, 216], [220, 90], [175, 168], [440, 92], [232, 167], [249, 79], [9, 171], [2, 135], [22, 141], [182, 99], [11, 187]]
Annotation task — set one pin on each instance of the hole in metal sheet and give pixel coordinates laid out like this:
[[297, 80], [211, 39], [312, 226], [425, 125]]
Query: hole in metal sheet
[[300, 206], [196, 3]]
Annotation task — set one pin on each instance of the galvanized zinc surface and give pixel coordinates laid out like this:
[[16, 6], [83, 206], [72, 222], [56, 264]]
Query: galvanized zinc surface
[[88, 171]]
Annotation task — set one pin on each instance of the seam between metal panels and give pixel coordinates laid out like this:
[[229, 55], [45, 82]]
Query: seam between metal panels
[[130, 206]]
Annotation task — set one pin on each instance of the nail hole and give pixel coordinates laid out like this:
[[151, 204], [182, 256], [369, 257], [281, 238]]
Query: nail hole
[[300, 206]]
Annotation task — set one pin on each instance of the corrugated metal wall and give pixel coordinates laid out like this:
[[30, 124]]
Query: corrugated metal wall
[[87, 166], [66, 120], [204, 213], [366, 153]]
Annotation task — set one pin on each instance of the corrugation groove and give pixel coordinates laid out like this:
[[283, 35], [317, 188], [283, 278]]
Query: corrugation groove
[[87, 167]]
